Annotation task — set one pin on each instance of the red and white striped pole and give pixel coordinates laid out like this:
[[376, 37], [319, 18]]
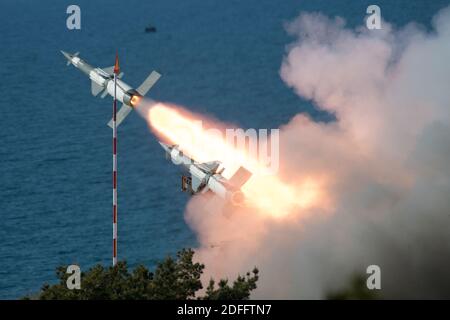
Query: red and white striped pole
[[116, 72]]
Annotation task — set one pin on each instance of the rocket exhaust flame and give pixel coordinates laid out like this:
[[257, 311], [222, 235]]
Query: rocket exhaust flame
[[264, 191], [135, 100]]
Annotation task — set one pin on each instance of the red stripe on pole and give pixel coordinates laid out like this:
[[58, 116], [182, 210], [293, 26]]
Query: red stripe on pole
[[114, 145], [114, 214], [114, 180]]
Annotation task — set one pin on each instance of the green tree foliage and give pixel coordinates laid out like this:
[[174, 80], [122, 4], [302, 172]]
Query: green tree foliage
[[173, 279], [240, 290]]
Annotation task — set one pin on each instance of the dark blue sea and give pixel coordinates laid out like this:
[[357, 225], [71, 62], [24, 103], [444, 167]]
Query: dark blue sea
[[217, 57]]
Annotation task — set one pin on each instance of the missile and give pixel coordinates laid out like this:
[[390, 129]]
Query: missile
[[207, 177], [102, 81]]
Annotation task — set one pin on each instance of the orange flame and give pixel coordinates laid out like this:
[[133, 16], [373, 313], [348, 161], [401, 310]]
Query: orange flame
[[266, 192], [135, 100]]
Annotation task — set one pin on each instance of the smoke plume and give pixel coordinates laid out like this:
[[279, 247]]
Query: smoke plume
[[385, 160]]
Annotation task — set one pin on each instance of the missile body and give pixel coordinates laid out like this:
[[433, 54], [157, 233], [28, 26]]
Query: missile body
[[103, 81], [206, 177]]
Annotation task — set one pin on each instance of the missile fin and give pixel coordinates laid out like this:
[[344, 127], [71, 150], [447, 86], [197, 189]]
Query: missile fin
[[96, 88], [196, 184], [109, 70], [104, 93], [210, 166], [69, 57], [148, 83], [121, 115], [240, 177]]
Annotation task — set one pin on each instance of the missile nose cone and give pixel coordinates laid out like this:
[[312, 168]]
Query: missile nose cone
[[165, 146], [67, 55]]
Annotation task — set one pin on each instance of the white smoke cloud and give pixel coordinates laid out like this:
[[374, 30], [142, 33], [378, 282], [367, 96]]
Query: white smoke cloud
[[386, 159]]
